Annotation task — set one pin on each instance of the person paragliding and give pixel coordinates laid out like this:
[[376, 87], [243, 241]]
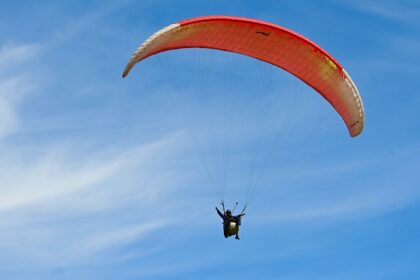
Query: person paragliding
[[274, 45], [231, 223]]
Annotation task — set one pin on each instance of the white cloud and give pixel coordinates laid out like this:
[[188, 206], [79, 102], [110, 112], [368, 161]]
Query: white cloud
[[13, 55], [65, 195], [363, 197], [55, 200], [47, 179], [8, 118], [25, 181], [390, 10], [115, 237], [14, 87], [362, 205]]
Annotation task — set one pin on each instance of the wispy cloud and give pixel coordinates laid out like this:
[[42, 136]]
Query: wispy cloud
[[401, 12], [12, 55], [362, 205], [115, 237], [8, 118], [364, 198], [39, 196], [14, 86], [42, 193]]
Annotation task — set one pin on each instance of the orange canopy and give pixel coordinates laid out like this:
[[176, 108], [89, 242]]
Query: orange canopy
[[270, 43]]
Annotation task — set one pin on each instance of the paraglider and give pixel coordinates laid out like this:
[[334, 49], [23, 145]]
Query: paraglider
[[231, 223], [269, 43]]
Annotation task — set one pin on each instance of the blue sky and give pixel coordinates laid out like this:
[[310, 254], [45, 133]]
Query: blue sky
[[110, 178]]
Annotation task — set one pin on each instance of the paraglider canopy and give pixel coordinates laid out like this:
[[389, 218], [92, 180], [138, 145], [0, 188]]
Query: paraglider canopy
[[270, 43]]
